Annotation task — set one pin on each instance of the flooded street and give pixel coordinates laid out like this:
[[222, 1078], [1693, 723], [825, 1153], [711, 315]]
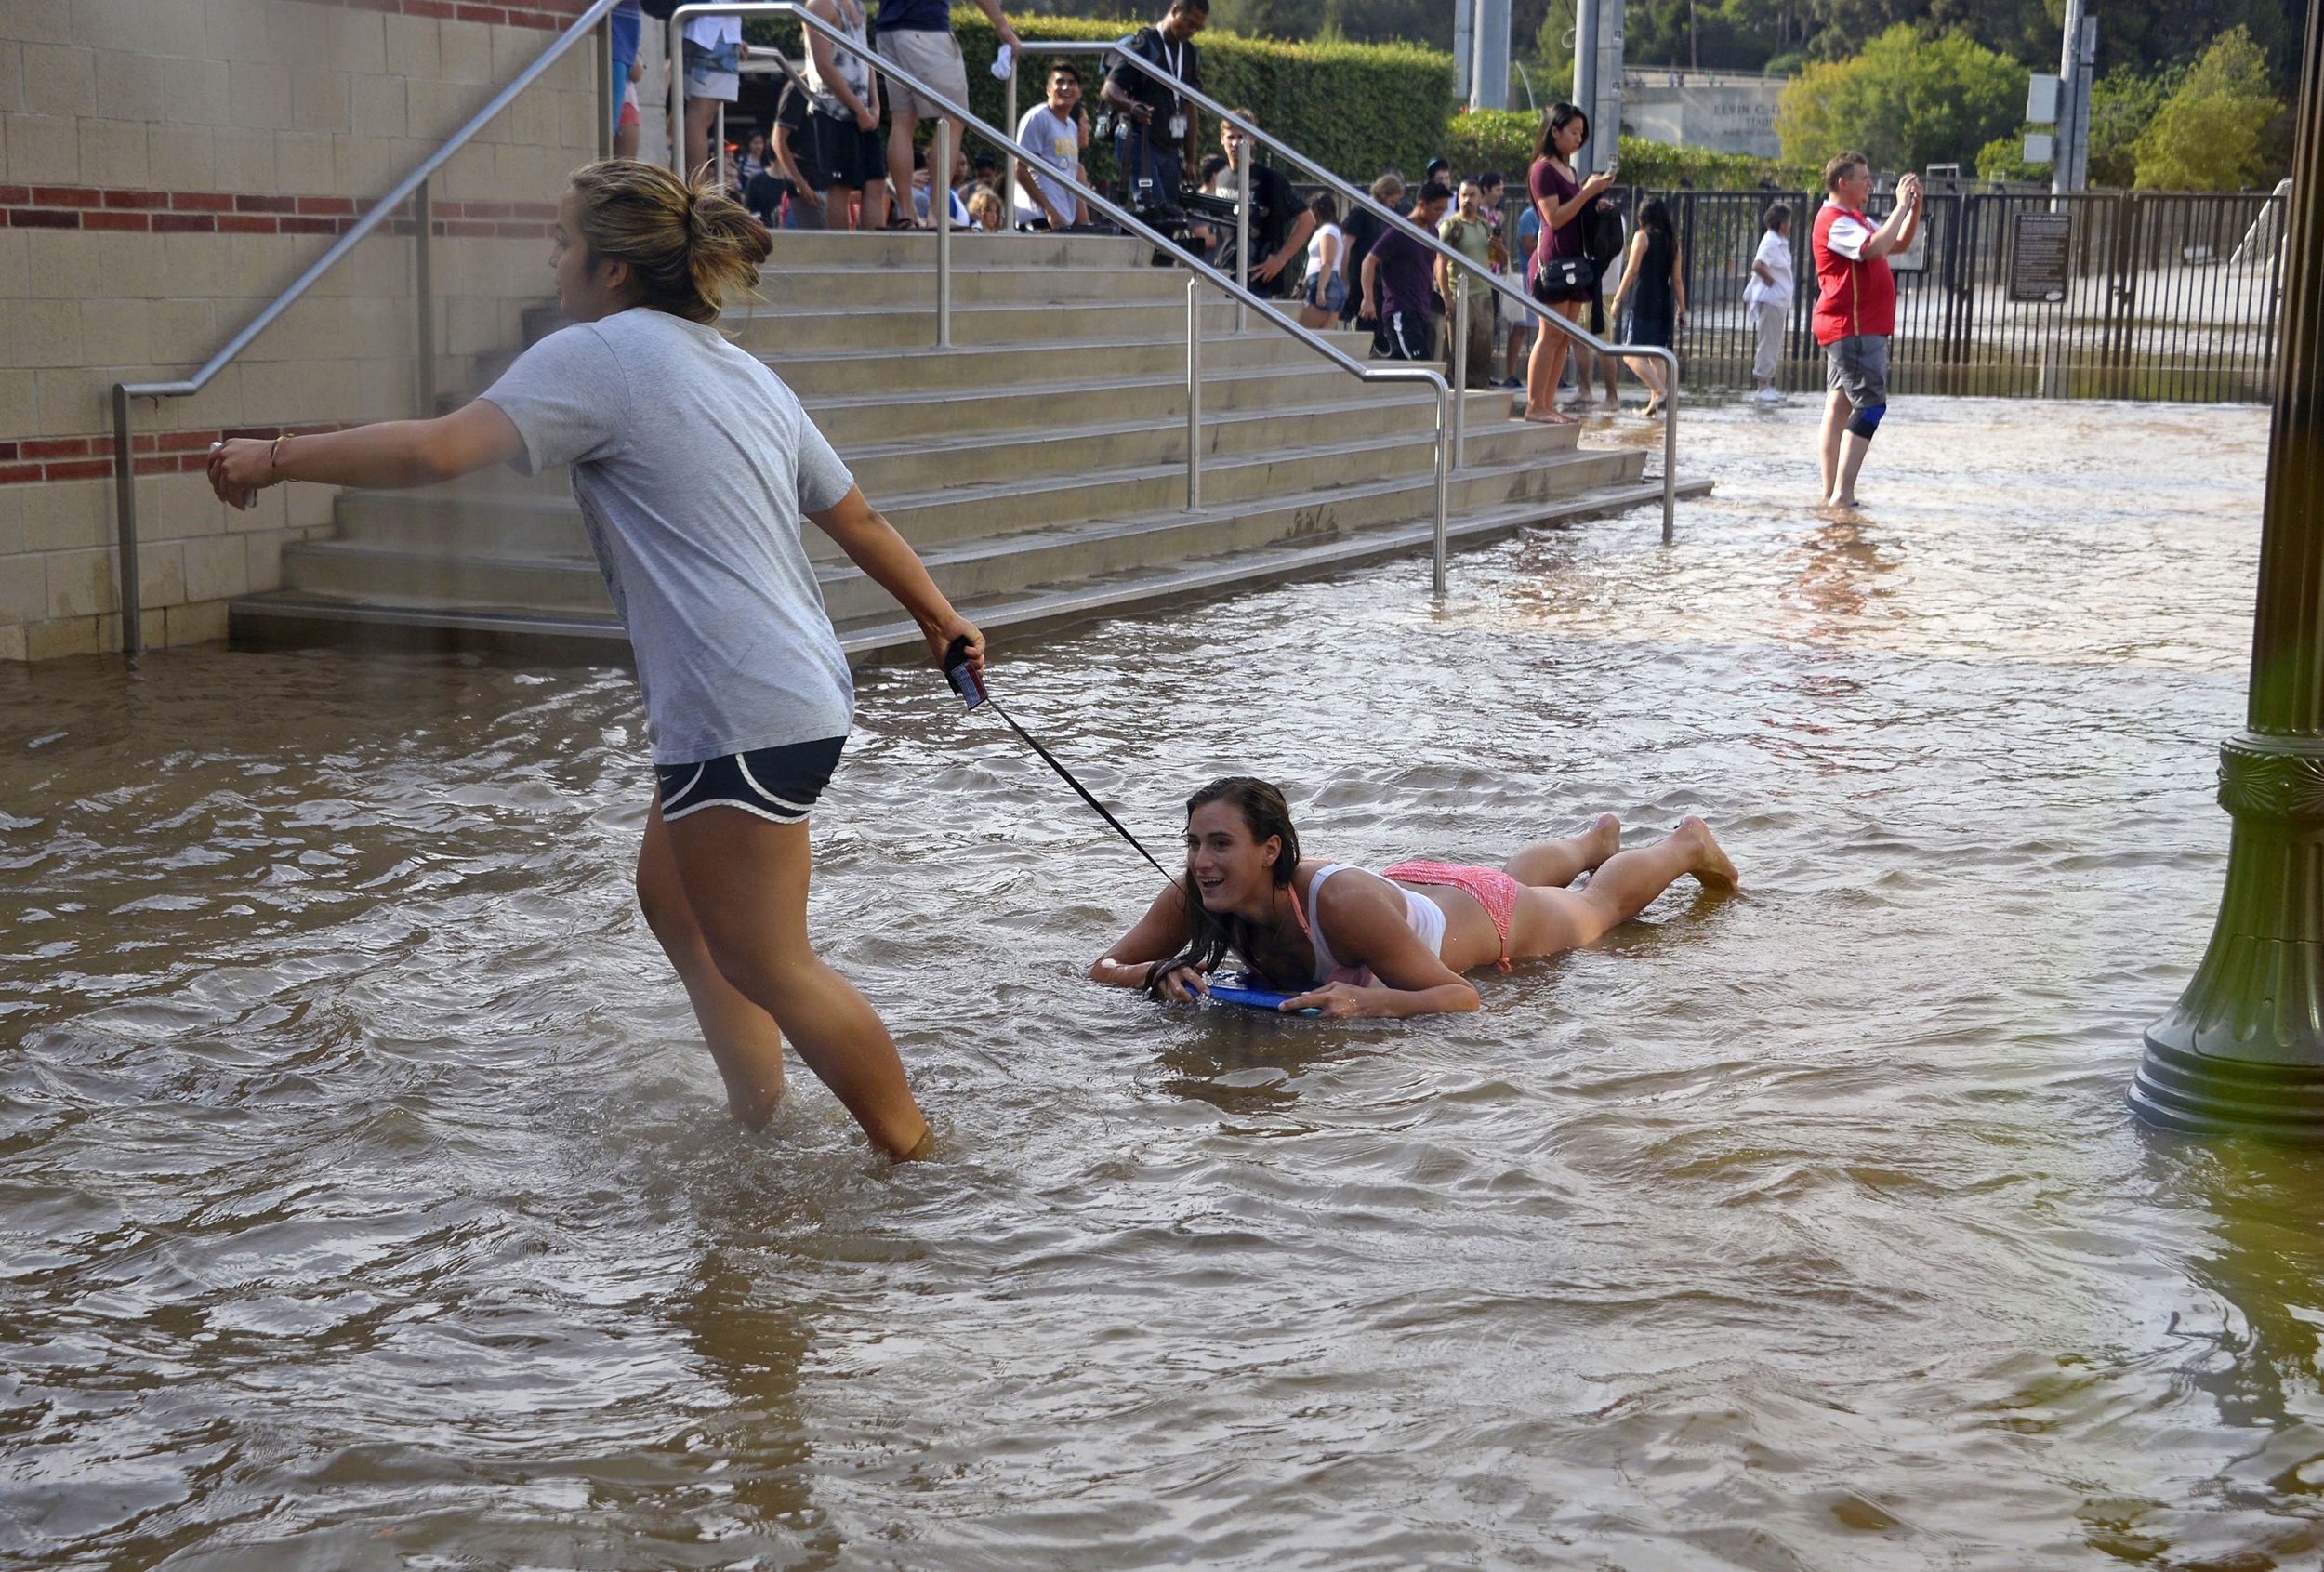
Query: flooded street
[[370, 1201]]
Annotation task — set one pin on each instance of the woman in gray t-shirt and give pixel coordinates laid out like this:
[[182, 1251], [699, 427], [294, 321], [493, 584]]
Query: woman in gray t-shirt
[[692, 464]]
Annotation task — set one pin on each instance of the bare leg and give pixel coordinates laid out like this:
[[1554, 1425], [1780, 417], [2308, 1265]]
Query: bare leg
[[744, 1039], [903, 122], [872, 211], [1551, 921], [626, 142], [1610, 367], [1556, 864], [701, 114], [746, 880], [1836, 412], [1542, 373], [834, 208], [1851, 451]]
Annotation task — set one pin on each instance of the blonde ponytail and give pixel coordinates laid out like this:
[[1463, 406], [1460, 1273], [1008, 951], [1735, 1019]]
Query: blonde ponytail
[[688, 245]]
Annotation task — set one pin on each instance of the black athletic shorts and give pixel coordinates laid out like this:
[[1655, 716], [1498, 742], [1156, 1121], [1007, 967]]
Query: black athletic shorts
[[776, 784]]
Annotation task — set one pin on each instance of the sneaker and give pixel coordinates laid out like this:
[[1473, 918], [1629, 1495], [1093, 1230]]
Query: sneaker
[[1768, 395]]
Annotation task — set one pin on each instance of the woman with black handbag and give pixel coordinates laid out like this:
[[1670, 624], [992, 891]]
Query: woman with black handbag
[[1564, 279]]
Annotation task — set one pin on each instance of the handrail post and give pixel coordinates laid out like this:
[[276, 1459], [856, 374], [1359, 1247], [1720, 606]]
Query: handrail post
[[1193, 394], [608, 90], [1444, 476], [1460, 368], [1009, 177], [1242, 228], [1671, 455], [424, 278], [674, 48], [940, 209], [126, 507]]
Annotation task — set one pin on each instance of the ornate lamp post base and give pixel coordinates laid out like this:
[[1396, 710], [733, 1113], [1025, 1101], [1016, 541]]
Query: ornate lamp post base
[[2243, 1050]]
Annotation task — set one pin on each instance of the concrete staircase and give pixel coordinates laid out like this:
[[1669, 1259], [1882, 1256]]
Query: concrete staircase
[[1039, 466]]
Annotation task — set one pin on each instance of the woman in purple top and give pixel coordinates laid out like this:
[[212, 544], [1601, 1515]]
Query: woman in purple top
[[1560, 199]]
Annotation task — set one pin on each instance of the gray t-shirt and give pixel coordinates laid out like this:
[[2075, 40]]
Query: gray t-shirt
[[692, 464]]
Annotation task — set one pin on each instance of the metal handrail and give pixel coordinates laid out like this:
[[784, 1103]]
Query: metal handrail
[[1379, 210], [124, 469], [939, 211]]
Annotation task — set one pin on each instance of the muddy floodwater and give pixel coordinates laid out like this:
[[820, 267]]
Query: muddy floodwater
[[367, 1200]]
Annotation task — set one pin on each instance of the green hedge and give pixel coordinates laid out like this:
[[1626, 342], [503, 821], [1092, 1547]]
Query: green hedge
[[1503, 139], [1359, 107]]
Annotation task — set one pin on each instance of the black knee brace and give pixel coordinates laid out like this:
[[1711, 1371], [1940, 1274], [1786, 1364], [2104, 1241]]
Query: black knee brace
[[1866, 420]]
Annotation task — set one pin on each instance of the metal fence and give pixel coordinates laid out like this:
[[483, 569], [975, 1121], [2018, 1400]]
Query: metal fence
[[2165, 295]]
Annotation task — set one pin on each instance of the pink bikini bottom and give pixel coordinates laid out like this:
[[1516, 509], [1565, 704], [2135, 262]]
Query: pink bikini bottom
[[1495, 890]]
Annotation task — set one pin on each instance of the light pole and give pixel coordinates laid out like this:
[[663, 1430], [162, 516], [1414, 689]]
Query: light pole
[[2243, 1049]]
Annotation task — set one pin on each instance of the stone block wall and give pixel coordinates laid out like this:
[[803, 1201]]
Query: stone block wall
[[166, 169]]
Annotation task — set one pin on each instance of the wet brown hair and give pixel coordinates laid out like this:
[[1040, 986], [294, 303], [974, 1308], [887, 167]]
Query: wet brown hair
[[686, 245], [1266, 814]]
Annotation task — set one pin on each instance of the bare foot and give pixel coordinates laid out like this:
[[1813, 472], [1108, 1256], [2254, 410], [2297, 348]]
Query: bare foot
[[1711, 869], [1550, 417], [1604, 838], [1612, 401], [1840, 499]]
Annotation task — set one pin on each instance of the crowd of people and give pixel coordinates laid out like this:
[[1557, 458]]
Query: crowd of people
[[1568, 244]]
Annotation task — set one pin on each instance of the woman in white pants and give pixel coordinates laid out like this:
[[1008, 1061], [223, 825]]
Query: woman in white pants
[[1768, 299]]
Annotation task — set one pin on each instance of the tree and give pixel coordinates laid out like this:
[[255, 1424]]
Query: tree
[[2207, 136], [2122, 105], [1906, 102]]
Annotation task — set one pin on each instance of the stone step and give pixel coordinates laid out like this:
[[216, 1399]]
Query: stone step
[[890, 466], [844, 329], [893, 249], [381, 567], [296, 617], [1001, 366], [804, 287], [965, 506]]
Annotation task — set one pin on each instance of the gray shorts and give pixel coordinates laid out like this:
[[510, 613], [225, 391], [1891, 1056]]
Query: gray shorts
[[1859, 367], [932, 54]]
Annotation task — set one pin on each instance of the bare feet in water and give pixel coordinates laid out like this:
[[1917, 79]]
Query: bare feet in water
[[1711, 869], [1603, 840]]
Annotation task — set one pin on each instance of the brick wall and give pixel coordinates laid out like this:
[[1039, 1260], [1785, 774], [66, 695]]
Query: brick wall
[[170, 166]]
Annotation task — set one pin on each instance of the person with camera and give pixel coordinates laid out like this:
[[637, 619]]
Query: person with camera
[[1856, 311], [1154, 131], [1562, 278]]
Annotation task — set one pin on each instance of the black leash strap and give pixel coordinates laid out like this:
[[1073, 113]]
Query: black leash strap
[[965, 683], [1066, 775]]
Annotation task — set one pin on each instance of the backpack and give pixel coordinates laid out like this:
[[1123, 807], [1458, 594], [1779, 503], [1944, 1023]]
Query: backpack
[[1602, 233]]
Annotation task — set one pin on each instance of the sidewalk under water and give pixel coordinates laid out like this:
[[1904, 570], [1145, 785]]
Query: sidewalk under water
[[370, 1201]]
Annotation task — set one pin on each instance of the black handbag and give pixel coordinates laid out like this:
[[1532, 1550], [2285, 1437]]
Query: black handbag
[[1561, 278]]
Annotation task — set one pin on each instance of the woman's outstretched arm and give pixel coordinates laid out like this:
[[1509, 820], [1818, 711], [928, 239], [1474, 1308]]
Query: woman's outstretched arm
[[391, 453], [1158, 935]]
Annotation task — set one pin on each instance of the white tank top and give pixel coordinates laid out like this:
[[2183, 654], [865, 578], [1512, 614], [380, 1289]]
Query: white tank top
[[1316, 248], [1425, 917], [851, 64]]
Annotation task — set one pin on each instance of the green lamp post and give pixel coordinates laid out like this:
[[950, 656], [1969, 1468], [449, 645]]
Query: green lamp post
[[2243, 1049]]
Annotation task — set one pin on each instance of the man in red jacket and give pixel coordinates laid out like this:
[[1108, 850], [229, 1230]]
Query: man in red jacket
[[1856, 311]]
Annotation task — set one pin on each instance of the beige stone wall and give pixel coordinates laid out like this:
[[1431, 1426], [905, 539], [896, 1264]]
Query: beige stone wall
[[169, 167]]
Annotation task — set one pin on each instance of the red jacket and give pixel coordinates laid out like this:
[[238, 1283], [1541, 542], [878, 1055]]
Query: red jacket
[[1852, 297]]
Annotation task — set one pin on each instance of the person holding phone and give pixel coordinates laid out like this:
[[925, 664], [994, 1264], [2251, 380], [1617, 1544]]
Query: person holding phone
[[1155, 135], [694, 466], [1856, 313], [1562, 278]]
